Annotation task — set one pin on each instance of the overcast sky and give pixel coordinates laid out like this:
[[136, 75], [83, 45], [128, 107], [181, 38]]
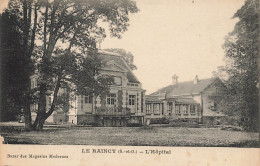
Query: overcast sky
[[182, 37]]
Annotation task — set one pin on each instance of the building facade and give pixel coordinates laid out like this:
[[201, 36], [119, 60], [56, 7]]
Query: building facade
[[123, 106], [186, 101]]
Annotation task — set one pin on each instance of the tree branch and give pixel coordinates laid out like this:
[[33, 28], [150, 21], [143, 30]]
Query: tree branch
[[45, 29], [58, 85], [71, 25], [29, 16], [25, 23], [33, 30], [55, 7], [55, 31], [64, 30]]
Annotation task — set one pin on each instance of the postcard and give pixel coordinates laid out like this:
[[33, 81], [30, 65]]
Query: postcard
[[129, 82]]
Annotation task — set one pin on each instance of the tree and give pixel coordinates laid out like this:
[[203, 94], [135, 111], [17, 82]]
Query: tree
[[59, 38], [242, 51], [128, 56], [12, 66], [18, 37]]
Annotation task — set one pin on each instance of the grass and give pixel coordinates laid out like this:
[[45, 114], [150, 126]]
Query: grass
[[131, 136]]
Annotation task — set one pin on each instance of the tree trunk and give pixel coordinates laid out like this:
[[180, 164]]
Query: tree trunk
[[42, 114], [27, 117], [38, 124], [27, 101], [27, 12], [39, 121]]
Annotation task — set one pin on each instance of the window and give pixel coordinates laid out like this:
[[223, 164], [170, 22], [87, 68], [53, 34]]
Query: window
[[169, 106], [192, 109], [156, 108], [32, 84], [111, 99], [215, 106], [49, 101], [177, 109], [88, 99], [148, 108], [34, 107], [131, 99], [185, 109], [132, 84], [81, 101]]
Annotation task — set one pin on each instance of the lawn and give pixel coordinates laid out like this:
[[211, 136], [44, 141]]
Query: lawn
[[131, 136]]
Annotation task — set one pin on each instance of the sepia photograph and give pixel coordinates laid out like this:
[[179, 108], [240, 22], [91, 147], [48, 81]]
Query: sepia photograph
[[129, 73]]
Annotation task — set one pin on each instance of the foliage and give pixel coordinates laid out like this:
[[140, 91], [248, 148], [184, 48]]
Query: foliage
[[128, 56], [87, 80], [160, 121], [12, 67], [60, 38], [240, 97]]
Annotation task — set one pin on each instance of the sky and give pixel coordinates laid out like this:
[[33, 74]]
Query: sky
[[182, 37]]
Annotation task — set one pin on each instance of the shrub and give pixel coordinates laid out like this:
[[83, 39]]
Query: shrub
[[160, 121], [231, 128]]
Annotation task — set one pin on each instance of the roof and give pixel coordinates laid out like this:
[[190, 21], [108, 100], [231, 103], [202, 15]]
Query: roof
[[118, 59], [152, 99], [185, 101], [185, 88]]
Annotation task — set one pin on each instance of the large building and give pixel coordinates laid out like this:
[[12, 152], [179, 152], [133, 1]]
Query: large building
[[187, 101], [124, 105]]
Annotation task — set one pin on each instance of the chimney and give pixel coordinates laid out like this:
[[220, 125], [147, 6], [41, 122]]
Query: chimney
[[174, 79], [196, 79]]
